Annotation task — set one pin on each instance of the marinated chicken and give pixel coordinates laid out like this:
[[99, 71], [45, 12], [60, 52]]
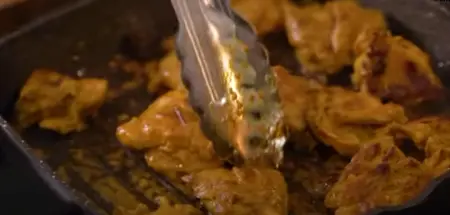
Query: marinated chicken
[[393, 68], [265, 15], [240, 191], [185, 151], [156, 124], [431, 134], [345, 119], [170, 130], [378, 175], [423, 132], [295, 93], [323, 35], [167, 76], [59, 103], [438, 161]]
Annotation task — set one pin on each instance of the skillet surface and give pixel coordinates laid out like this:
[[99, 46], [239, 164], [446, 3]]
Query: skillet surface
[[93, 33]]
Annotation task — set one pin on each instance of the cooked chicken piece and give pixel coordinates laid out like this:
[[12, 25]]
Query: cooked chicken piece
[[185, 151], [431, 134], [241, 191], [323, 35], [167, 76], [156, 124], [423, 131], [295, 93], [438, 161], [308, 29], [393, 68], [165, 208], [170, 129], [378, 175], [59, 103], [345, 119], [264, 15]]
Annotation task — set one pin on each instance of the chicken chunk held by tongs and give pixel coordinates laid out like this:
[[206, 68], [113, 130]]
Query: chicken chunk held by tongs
[[227, 73]]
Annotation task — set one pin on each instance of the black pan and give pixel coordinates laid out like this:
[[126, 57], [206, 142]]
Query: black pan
[[96, 30]]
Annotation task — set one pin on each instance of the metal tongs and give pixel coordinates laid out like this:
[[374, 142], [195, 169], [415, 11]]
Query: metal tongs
[[227, 73]]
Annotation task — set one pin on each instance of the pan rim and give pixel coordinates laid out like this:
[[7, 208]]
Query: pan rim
[[43, 170]]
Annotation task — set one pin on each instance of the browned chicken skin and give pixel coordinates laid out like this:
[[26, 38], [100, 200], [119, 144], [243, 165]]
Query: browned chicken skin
[[59, 103], [345, 119], [432, 135], [241, 191], [394, 68], [323, 35], [438, 161], [378, 175]]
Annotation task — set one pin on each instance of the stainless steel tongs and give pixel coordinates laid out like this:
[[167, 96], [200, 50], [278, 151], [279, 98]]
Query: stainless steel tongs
[[227, 73]]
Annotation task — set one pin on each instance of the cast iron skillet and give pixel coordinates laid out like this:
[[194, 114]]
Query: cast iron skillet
[[96, 30]]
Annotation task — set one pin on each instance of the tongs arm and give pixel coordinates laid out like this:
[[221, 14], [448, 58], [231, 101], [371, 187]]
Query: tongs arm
[[227, 73]]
